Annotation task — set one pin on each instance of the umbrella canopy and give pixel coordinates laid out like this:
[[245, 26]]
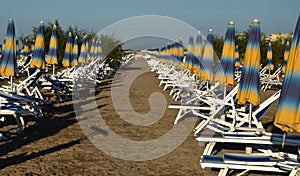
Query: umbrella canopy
[[198, 53], [99, 50], [92, 51], [226, 74], [18, 49], [237, 62], [25, 51], [249, 82], [83, 50], [8, 63], [189, 54], [208, 58], [286, 56], [38, 56], [180, 55], [74, 62], [52, 53], [269, 66], [68, 52], [288, 112]]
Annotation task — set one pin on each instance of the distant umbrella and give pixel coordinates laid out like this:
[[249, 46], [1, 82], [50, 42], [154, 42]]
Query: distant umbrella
[[237, 62], [269, 66], [286, 56], [198, 53], [68, 52], [8, 63], [25, 51], [249, 82], [288, 112], [99, 50], [74, 62], [18, 49], [92, 51], [83, 51], [208, 58], [38, 56], [53, 49], [189, 53], [226, 74]]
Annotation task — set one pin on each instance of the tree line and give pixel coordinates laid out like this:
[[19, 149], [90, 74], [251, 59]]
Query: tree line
[[111, 46]]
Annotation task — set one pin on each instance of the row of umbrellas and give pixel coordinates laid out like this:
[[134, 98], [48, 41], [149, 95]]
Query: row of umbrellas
[[8, 64], [288, 114]]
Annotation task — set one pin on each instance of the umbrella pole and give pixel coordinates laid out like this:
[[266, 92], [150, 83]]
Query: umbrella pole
[[250, 115], [11, 82], [53, 69]]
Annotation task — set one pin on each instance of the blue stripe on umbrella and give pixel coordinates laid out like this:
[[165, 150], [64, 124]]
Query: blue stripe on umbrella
[[288, 114], [249, 82], [8, 64]]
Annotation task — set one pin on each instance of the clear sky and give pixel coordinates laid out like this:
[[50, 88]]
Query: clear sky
[[276, 16]]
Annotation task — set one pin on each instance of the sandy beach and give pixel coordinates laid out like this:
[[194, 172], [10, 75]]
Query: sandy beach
[[56, 144]]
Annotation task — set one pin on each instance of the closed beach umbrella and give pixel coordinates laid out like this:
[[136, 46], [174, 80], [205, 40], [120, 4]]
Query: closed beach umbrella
[[270, 66], [249, 82], [92, 51], [208, 58], [68, 52], [286, 56], [38, 55], [26, 51], [288, 111], [189, 53], [99, 50], [53, 49], [198, 53], [52, 53], [83, 50], [237, 62], [74, 62], [8, 63], [226, 74]]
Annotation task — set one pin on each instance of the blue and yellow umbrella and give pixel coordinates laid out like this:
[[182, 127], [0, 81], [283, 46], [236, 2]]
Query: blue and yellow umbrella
[[68, 52], [249, 82], [83, 50], [92, 51], [226, 74], [269, 66], [286, 56], [288, 111], [38, 56], [208, 58], [198, 53], [74, 62], [8, 63], [25, 51], [52, 53], [189, 53], [18, 49], [99, 50], [237, 62]]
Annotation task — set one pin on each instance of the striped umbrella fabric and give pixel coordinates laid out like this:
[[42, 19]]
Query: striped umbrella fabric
[[53, 48], [68, 52], [38, 56], [74, 62], [189, 54], [208, 58], [226, 74], [288, 111], [198, 53], [83, 50], [8, 63], [180, 52], [269, 66], [25, 51], [18, 49], [92, 51], [286, 56], [99, 50], [237, 62], [249, 82]]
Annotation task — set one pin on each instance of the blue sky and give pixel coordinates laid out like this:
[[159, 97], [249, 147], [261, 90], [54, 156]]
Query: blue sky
[[276, 16]]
